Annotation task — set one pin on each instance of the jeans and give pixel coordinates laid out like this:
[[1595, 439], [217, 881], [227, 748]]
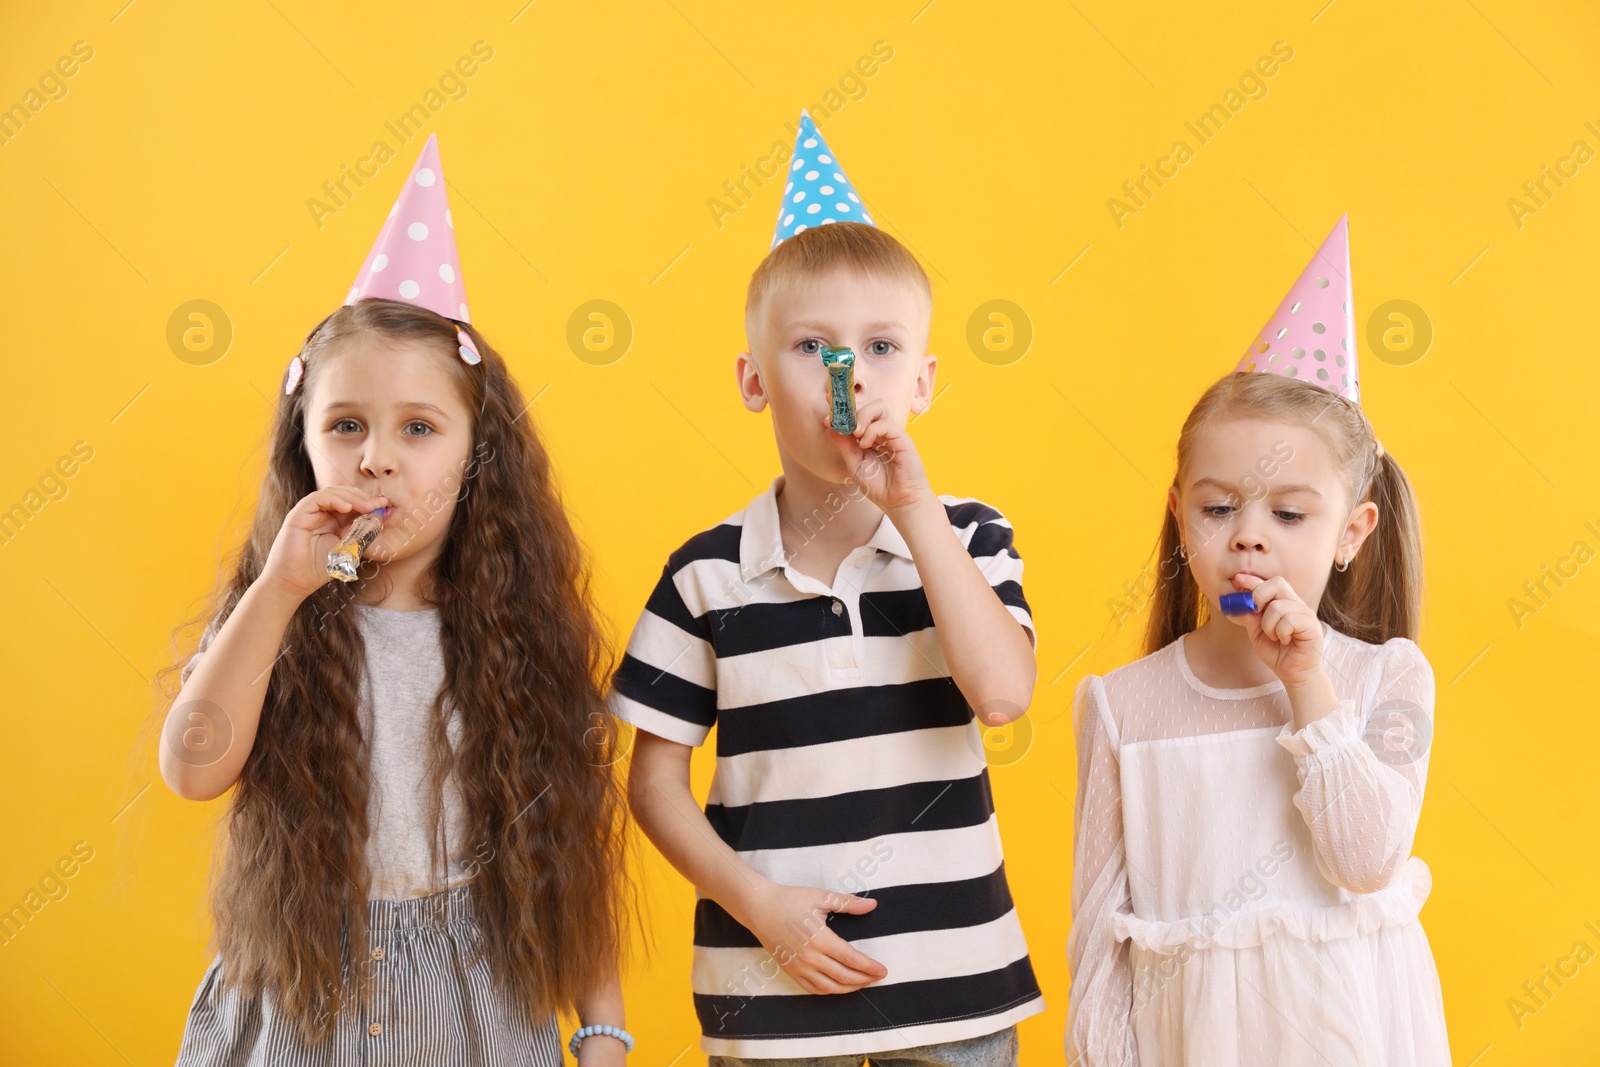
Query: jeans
[[998, 1049]]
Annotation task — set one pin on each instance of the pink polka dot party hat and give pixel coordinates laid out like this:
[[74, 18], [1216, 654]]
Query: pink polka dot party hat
[[414, 258], [1313, 334]]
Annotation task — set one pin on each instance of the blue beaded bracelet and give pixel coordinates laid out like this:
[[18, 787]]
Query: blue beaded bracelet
[[609, 1031]]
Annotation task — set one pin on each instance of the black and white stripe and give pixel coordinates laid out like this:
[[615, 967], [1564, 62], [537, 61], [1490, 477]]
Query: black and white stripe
[[435, 1002], [847, 759]]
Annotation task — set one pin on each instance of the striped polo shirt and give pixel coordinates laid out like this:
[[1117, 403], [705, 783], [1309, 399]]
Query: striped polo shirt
[[847, 760]]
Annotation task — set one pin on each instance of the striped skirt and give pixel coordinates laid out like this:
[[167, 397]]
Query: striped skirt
[[432, 1004]]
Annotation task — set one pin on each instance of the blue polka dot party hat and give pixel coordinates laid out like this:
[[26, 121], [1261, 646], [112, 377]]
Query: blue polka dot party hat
[[818, 192]]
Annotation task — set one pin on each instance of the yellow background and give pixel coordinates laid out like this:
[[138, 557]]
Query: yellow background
[[178, 167]]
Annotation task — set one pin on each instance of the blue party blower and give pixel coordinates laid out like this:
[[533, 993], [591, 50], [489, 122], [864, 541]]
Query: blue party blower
[[1241, 603]]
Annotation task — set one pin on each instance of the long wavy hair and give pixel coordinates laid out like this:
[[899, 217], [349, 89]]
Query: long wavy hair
[[525, 664], [1380, 595]]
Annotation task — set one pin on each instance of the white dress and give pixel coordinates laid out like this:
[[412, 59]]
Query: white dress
[[1244, 894]]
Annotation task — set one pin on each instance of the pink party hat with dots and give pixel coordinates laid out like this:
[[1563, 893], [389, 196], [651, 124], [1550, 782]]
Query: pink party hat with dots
[[414, 259], [1313, 335]]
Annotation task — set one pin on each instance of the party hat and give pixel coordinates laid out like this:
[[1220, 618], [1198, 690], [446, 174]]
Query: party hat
[[1313, 334], [414, 259], [818, 192]]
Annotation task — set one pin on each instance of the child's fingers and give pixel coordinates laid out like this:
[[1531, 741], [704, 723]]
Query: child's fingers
[[815, 981], [843, 956], [836, 947], [1280, 626], [869, 420], [815, 984], [332, 509], [828, 963], [1284, 619], [342, 498], [1270, 615], [870, 410], [1267, 590], [1252, 582], [850, 904]]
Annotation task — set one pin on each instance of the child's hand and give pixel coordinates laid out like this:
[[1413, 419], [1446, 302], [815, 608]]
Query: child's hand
[[882, 459], [298, 562], [792, 924], [1284, 630]]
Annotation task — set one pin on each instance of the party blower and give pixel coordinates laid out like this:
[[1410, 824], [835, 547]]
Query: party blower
[[1240, 603], [346, 555], [841, 364]]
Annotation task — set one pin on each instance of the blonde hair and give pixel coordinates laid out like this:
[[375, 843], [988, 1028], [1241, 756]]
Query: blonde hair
[[1380, 595], [814, 252]]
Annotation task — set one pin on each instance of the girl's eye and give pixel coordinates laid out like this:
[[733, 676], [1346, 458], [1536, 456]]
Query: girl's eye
[[881, 348], [344, 422], [1217, 510], [419, 422], [1290, 516], [811, 346]]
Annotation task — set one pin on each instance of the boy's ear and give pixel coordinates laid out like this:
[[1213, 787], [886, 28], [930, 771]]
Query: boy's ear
[[751, 388], [923, 395]]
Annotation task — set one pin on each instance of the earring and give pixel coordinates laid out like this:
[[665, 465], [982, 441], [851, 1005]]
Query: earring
[[1343, 566], [1183, 552]]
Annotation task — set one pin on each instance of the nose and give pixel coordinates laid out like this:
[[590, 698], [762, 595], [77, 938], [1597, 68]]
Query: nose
[[1247, 535], [376, 461]]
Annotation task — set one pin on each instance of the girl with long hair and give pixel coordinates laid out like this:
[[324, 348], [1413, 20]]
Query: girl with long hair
[[425, 843]]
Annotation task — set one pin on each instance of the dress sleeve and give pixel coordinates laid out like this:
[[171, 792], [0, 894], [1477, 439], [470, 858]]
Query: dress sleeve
[[1362, 769], [1099, 1027], [667, 681]]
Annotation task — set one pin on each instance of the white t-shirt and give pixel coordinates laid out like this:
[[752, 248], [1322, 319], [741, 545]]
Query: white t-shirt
[[404, 672]]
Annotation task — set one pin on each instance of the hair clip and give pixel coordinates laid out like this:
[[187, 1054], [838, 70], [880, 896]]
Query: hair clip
[[297, 371], [468, 352]]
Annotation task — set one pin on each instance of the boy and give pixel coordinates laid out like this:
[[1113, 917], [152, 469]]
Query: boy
[[839, 631]]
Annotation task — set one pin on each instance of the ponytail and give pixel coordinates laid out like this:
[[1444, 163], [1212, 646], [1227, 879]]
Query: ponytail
[[1380, 595]]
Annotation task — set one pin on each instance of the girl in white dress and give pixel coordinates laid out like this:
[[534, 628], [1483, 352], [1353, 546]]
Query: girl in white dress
[[1243, 891]]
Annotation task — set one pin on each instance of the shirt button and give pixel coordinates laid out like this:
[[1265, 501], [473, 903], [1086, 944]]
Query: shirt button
[[377, 952], [375, 1029], [838, 607]]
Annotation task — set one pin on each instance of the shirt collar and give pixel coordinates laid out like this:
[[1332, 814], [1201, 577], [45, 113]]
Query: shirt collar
[[761, 541]]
